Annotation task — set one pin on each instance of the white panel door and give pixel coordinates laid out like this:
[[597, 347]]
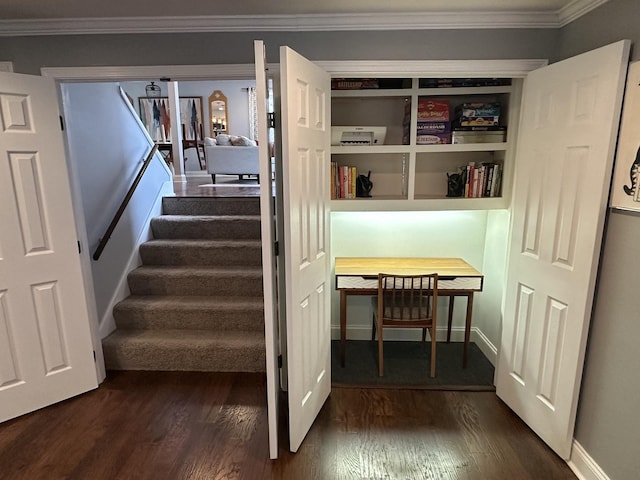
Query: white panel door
[[269, 279], [46, 353], [565, 154], [306, 139]]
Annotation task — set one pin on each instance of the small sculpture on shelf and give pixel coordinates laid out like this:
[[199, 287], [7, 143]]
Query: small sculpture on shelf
[[364, 185], [455, 185]]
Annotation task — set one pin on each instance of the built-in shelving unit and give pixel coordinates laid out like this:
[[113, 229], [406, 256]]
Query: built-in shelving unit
[[410, 176]]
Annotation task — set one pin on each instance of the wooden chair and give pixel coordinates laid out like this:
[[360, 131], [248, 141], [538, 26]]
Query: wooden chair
[[197, 143], [406, 301]]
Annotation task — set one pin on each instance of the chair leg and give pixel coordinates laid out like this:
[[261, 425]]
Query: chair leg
[[433, 352], [380, 351], [424, 334], [202, 158], [450, 320], [213, 177], [373, 327], [199, 157], [258, 178]]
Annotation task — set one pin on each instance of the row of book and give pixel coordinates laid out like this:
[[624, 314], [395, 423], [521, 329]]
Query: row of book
[[482, 180], [343, 181]]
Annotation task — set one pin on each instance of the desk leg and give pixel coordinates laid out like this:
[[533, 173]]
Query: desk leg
[[343, 325], [450, 322], [467, 330]]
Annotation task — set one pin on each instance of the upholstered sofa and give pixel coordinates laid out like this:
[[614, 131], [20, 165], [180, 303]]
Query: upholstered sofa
[[232, 160]]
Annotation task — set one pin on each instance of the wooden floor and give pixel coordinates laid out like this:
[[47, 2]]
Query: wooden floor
[[177, 425], [225, 186]]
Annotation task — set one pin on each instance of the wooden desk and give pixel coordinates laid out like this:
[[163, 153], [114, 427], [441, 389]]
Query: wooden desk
[[359, 276]]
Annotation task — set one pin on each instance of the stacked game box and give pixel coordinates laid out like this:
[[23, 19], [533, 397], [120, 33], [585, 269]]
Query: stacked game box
[[434, 122], [478, 114]]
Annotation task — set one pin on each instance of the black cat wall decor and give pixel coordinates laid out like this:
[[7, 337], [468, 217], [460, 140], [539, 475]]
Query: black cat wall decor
[[634, 172]]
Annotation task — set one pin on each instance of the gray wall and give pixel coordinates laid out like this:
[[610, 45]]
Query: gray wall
[[615, 20], [29, 54], [607, 425]]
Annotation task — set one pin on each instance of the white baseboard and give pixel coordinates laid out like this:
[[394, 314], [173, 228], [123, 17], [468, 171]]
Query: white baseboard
[[489, 349], [179, 180], [583, 465], [198, 174]]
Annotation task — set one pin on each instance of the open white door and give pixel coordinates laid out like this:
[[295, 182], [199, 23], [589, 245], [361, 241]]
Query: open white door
[[306, 139], [46, 353], [268, 255], [570, 115]]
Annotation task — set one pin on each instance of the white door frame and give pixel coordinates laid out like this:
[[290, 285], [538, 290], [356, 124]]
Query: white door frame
[[517, 68]]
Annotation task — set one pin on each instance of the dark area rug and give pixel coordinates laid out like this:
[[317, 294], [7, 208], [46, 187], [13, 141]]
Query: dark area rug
[[406, 365]]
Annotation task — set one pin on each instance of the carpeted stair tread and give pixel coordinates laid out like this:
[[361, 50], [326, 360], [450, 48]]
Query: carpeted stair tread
[[211, 205], [186, 350], [174, 280], [201, 252], [238, 227], [196, 302], [190, 312]]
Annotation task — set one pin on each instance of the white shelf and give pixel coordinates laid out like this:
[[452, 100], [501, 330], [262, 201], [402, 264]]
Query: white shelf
[[373, 92], [462, 91], [461, 147], [355, 149], [423, 92], [426, 204], [449, 147]]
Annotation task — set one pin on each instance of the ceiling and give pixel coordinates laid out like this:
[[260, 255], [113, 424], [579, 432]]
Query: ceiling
[[39, 17]]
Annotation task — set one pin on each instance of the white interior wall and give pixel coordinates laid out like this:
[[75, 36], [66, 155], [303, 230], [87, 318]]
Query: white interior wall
[[107, 147], [487, 316]]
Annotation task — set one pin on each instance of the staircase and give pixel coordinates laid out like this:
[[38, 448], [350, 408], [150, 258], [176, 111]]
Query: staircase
[[196, 302]]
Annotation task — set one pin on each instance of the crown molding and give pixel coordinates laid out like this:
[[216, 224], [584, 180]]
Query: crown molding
[[300, 23], [576, 9]]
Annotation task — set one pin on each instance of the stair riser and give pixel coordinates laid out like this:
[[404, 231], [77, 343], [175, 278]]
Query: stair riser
[[211, 229], [218, 285], [210, 206], [178, 255], [139, 319], [213, 358]]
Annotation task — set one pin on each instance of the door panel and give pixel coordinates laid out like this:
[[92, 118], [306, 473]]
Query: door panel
[[563, 169], [268, 256], [306, 142], [46, 353]]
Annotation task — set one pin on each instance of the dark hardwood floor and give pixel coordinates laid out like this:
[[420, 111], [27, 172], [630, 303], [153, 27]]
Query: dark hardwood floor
[[177, 425], [225, 186]]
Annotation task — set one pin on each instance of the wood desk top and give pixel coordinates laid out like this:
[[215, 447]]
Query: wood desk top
[[368, 266]]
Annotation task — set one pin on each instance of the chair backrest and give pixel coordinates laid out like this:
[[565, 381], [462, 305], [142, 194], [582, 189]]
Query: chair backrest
[[407, 300]]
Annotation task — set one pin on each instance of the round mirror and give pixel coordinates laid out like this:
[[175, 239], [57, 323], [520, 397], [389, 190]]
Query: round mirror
[[218, 113]]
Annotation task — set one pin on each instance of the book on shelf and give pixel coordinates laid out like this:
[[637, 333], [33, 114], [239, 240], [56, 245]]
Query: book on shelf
[[343, 181], [481, 180]]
